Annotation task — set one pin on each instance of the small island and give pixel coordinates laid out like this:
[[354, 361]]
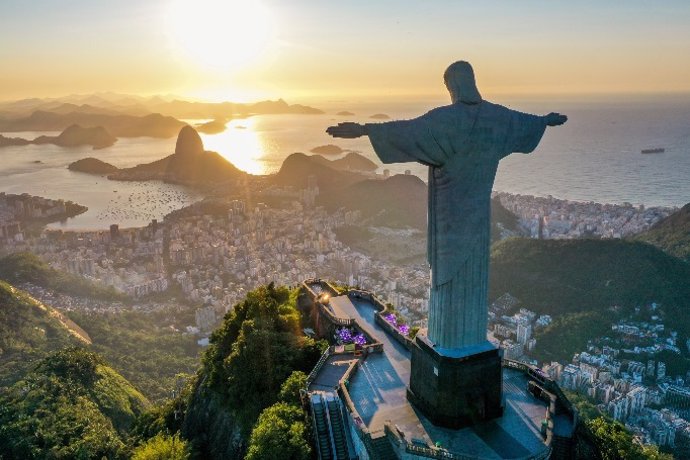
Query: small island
[[380, 116], [329, 149], [212, 127], [345, 113], [92, 166]]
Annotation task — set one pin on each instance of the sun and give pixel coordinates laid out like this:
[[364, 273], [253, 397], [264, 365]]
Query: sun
[[220, 34]]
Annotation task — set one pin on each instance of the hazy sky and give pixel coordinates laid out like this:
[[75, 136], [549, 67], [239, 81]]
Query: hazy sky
[[306, 49]]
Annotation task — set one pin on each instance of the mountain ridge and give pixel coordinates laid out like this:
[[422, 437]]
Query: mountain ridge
[[671, 234]]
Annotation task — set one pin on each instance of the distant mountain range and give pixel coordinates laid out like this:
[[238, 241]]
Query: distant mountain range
[[152, 125], [124, 104], [73, 136]]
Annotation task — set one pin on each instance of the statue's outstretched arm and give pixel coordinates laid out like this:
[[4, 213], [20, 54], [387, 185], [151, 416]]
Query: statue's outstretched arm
[[347, 130]]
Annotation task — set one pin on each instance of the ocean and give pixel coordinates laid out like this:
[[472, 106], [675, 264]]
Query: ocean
[[595, 156]]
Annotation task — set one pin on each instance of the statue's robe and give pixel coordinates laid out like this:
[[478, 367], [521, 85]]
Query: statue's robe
[[462, 145]]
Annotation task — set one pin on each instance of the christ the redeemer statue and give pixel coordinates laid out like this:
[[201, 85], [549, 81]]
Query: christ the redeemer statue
[[461, 144]]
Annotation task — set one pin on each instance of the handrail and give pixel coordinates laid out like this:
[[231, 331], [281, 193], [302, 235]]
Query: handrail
[[318, 366]]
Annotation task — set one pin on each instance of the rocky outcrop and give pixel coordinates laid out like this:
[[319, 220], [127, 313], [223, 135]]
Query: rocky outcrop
[[189, 165], [92, 166], [188, 142]]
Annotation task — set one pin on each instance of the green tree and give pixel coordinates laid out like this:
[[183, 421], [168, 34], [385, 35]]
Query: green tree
[[162, 447], [280, 434], [616, 443], [585, 408], [72, 405], [257, 347], [289, 390]]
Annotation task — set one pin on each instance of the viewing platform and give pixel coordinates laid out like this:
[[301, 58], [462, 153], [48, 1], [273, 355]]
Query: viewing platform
[[371, 384]]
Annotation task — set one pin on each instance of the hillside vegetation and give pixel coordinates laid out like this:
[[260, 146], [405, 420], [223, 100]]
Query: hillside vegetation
[[577, 281], [72, 405], [251, 354], [29, 330], [671, 234], [144, 350], [25, 267]]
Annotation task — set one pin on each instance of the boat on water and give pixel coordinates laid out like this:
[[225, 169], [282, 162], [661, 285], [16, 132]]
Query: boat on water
[[655, 150]]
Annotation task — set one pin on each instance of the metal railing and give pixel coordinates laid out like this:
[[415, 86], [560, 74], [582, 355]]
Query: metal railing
[[317, 368]]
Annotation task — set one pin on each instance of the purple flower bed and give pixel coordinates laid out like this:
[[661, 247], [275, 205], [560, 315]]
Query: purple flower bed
[[345, 335], [390, 317], [404, 329]]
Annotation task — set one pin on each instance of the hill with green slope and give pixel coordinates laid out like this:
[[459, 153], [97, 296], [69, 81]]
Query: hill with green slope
[[671, 234], [25, 267], [72, 405], [29, 330], [143, 347], [251, 354], [577, 281]]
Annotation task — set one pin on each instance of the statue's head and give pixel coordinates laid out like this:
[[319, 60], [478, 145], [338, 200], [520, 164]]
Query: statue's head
[[459, 79]]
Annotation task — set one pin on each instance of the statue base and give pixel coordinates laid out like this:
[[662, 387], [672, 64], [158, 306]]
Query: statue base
[[456, 388]]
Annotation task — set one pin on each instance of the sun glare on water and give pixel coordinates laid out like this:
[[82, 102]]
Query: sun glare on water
[[219, 34], [241, 145]]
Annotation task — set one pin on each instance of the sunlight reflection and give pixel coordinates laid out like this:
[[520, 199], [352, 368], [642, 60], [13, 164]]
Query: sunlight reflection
[[241, 145]]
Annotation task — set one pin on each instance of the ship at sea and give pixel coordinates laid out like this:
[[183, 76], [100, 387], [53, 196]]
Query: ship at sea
[[655, 150]]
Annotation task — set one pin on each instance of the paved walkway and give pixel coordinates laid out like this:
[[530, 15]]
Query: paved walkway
[[378, 391], [332, 371]]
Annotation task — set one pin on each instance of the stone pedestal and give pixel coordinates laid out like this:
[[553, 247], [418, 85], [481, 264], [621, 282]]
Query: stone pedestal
[[455, 388]]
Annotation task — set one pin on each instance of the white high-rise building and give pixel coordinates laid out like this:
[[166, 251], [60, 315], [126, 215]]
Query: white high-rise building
[[524, 333]]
